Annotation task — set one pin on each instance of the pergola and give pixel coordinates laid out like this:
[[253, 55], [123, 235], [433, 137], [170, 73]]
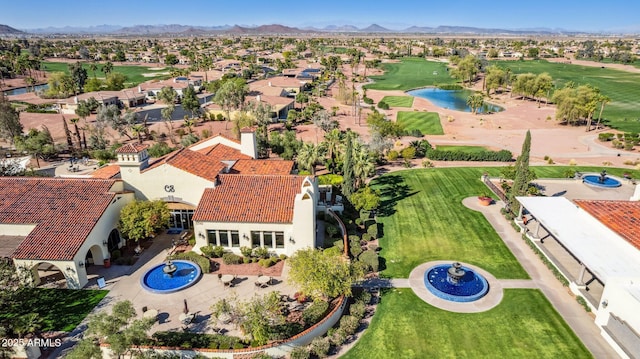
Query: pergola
[[598, 248]]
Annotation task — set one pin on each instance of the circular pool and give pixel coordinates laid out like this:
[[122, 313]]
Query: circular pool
[[469, 286], [598, 181], [183, 275]]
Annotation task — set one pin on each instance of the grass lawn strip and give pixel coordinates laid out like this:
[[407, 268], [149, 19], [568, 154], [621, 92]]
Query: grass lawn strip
[[59, 309], [426, 122], [523, 325], [411, 73], [398, 101], [134, 73], [621, 86]]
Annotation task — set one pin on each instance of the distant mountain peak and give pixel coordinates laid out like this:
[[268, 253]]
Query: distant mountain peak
[[8, 30]]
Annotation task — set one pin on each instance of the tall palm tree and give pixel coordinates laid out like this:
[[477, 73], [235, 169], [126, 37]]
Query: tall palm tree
[[93, 67], [138, 130], [603, 101], [363, 164], [332, 142], [309, 155]]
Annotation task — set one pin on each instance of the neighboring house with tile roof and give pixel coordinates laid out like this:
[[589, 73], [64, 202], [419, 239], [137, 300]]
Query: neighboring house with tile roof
[[595, 244], [66, 223]]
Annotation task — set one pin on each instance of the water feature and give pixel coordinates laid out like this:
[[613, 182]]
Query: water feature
[[171, 276], [601, 180], [455, 283], [451, 99], [23, 90]]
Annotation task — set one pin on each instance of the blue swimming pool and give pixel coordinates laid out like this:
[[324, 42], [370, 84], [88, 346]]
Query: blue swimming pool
[[186, 274]]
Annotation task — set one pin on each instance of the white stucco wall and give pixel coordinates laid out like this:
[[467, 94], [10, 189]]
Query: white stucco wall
[[244, 229], [156, 184], [214, 141], [622, 298]]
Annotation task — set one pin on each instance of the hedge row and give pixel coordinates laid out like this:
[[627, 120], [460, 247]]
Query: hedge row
[[499, 156]]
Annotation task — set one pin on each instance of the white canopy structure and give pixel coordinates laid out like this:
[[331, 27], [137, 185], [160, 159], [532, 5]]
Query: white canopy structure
[[605, 253]]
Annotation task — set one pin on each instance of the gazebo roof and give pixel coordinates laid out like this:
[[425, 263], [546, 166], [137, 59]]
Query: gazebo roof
[[605, 253]]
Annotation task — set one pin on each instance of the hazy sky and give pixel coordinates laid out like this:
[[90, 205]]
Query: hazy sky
[[585, 15]]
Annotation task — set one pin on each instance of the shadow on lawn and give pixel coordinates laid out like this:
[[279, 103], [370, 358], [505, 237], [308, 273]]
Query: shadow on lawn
[[392, 189]]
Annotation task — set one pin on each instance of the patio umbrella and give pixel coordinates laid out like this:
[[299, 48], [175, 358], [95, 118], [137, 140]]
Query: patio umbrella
[[186, 307]]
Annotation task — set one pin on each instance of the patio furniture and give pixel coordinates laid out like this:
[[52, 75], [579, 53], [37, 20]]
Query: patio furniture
[[151, 313], [187, 318], [227, 280], [264, 281]]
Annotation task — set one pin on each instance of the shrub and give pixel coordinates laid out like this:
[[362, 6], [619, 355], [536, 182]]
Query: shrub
[[367, 100], [373, 230], [331, 179], [246, 251], [283, 256], [201, 261], [115, 254], [370, 259], [339, 336], [583, 303], [570, 173], [364, 297], [449, 87], [358, 309], [261, 252], [300, 353], [231, 258], [366, 237], [218, 251], [349, 324], [320, 346], [415, 133], [339, 244], [315, 312], [427, 164], [572, 162], [393, 155], [207, 251], [500, 156], [246, 260], [383, 105], [355, 249], [192, 241]]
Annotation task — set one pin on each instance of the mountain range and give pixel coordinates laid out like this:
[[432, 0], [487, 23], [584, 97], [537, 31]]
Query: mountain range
[[175, 29]]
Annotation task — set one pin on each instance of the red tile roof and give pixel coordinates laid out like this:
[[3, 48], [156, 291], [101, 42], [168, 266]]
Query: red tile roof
[[622, 217], [106, 172], [192, 162], [221, 152], [63, 210], [262, 167], [252, 199], [132, 148]]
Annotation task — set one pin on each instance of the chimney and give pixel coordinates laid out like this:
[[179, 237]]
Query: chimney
[[248, 142]]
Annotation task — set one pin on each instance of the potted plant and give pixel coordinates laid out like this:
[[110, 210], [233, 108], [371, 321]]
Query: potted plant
[[485, 200]]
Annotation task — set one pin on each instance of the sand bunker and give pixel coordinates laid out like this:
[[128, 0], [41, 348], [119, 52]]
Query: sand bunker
[[154, 74]]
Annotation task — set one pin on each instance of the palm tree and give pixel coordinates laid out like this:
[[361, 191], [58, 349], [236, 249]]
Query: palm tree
[[363, 164], [475, 101], [309, 155], [603, 101], [332, 142], [189, 123], [138, 130], [107, 68], [93, 67]]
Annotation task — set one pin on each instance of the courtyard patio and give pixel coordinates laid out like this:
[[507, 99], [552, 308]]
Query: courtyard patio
[[174, 310]]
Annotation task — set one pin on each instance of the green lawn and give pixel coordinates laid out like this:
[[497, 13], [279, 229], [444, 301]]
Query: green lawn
[[461, 148], [427, 122], [423, 219], [134, 73], [622, 87], [59, 309], [398, 101], [411, 73], [524, 325]]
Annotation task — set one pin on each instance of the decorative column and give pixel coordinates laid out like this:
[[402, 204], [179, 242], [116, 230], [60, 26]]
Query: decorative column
[[580, 279]]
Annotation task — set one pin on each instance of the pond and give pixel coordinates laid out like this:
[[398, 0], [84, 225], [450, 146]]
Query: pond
[[451, 99], [23, 90]]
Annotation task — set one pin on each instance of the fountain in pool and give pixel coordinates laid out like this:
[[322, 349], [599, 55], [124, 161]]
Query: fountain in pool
[[171, 276], [455, 283], [601, 180]]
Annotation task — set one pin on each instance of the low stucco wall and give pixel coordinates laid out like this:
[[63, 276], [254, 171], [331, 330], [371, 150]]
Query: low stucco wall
[[274, 349]]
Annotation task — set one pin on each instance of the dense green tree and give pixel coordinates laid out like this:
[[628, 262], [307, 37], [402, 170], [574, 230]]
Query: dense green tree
[[115, 81], [170, 59], [231, 95], [494, 79], [85, 349], [37, 143], [378, 122], [10, 125], [365, 198], [60, 85], [348, 183], [142, 219], [332, 274], [467, 69], [159, 149], [522, 175], [190, 101]]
